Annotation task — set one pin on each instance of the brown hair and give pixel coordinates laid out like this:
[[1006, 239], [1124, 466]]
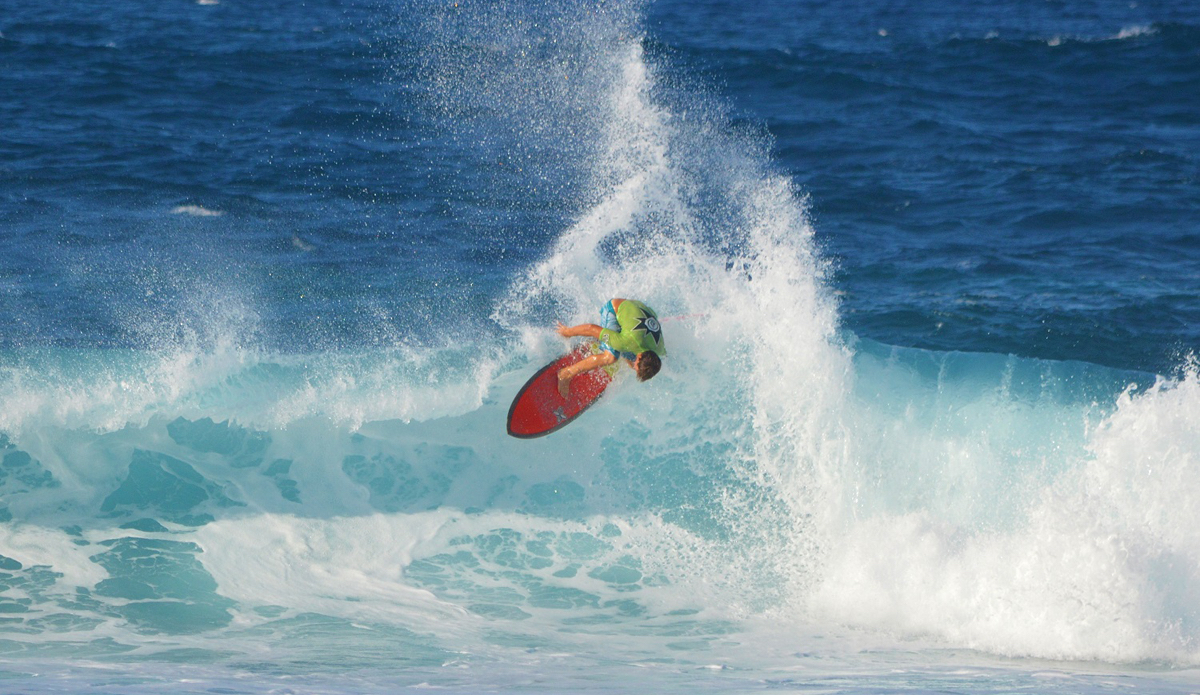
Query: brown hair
[[648, 365]]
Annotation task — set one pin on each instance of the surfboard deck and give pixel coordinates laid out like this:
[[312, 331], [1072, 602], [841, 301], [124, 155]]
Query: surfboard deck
[[538, 408]]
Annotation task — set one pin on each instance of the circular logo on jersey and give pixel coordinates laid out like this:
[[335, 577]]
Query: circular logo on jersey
[[650, 325]]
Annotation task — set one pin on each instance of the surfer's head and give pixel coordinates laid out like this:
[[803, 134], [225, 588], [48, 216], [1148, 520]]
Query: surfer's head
[[647, 365]]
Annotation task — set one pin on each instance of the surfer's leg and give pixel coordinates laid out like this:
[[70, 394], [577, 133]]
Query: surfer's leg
[[587, 364]]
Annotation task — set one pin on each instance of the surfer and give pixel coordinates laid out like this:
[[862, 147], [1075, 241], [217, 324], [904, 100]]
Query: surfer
[[629, 330]]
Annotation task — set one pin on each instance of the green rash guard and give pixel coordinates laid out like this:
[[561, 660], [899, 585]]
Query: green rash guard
[[640, 330]]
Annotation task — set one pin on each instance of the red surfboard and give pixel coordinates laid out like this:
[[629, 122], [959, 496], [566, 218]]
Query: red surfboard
[[538, 408]]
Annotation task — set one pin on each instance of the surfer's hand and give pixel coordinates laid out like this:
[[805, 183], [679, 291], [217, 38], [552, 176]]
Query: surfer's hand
[[563, 330], [564, 382]]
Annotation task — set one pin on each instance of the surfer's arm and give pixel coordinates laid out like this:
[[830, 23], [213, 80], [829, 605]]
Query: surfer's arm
[[587, 364], [583, 330]]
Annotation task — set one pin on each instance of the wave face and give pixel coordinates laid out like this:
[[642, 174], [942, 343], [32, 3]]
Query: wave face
[[204, 497], [1012, 506]]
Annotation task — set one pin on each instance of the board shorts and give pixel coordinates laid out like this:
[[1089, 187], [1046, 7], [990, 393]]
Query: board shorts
[[608, 319]]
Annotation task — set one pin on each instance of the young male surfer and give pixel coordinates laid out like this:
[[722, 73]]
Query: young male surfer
[[629, 330]]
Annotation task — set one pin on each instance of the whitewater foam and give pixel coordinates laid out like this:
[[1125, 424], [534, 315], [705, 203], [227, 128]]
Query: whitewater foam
[[1088, 562], [196, 210], [1135, 31]]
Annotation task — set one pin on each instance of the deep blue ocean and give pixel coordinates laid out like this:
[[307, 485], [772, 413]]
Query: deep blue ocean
[[270, 275]]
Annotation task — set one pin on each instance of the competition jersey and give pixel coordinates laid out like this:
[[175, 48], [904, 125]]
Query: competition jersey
[[639, 331]]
